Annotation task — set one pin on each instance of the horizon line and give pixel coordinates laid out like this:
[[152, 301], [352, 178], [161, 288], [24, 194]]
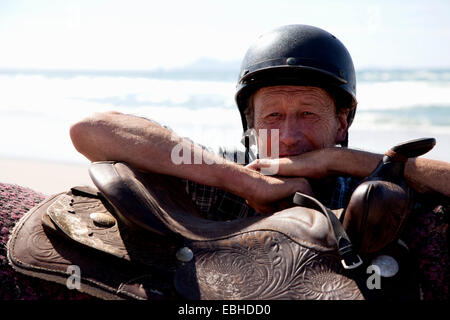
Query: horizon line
[[190, 68]]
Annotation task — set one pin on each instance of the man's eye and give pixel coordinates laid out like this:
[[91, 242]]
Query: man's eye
[[307, 113], [274, 114]]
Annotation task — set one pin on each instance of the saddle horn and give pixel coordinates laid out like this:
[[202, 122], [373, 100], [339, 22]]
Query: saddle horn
[[380, 205]]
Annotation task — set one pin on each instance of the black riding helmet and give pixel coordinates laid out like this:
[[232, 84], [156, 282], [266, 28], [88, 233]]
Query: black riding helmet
[[298, 55]]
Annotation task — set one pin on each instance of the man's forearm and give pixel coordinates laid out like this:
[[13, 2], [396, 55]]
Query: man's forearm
[[423, 175], [148, 146], [427, 175]]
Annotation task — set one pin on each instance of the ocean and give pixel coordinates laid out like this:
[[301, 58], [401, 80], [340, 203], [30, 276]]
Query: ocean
[[37, 107]]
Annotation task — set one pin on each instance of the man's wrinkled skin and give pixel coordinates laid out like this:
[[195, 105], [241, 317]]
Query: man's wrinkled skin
[[305, 117]]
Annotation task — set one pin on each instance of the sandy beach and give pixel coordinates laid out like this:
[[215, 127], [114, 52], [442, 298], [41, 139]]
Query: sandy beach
[[44, 176]]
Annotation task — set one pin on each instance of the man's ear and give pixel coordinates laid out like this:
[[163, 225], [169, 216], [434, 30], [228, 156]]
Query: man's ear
[[342, 128]]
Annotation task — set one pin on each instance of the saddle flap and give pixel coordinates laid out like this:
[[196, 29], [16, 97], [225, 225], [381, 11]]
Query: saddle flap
[[112, 264], [376, 214], [75, 217], [73, 220]]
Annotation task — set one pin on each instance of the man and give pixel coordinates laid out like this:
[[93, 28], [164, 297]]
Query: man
[[297, 88]]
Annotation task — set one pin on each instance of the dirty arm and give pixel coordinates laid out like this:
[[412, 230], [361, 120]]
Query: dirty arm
[[423, 175]]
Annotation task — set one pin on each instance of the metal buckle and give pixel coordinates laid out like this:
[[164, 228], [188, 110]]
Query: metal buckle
[[353, 265]]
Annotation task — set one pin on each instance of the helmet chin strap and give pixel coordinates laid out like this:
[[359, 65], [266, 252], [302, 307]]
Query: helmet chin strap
[[249, 141], [344, 143]]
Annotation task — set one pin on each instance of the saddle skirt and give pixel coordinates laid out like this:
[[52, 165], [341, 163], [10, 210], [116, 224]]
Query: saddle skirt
[[139, 236]]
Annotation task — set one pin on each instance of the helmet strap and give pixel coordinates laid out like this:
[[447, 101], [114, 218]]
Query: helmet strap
[[345, 142]]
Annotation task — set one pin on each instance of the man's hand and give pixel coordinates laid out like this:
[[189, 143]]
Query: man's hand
[[270, 194]]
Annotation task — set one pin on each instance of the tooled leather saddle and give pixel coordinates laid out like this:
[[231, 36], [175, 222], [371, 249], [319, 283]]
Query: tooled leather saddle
[[139, 236]]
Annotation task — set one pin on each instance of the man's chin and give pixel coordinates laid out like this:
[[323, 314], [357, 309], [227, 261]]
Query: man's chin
[[289, 155], [292, 154]]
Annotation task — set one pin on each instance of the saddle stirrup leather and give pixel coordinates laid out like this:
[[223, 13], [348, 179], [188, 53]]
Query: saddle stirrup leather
[[350, 259]]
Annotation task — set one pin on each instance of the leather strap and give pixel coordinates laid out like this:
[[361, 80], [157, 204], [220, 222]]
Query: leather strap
[[350, 259]]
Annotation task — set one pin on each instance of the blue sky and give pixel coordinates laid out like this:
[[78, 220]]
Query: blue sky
[[140, 35]]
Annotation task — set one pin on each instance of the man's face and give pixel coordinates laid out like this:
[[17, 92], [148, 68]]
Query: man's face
[[305, 116]]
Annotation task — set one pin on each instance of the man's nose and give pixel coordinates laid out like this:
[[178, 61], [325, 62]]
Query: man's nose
[[289, 132]]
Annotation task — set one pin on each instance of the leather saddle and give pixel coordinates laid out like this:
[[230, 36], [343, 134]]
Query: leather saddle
[[139, 236]]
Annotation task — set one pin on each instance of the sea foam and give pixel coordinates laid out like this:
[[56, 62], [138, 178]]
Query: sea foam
[[36, 110]]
